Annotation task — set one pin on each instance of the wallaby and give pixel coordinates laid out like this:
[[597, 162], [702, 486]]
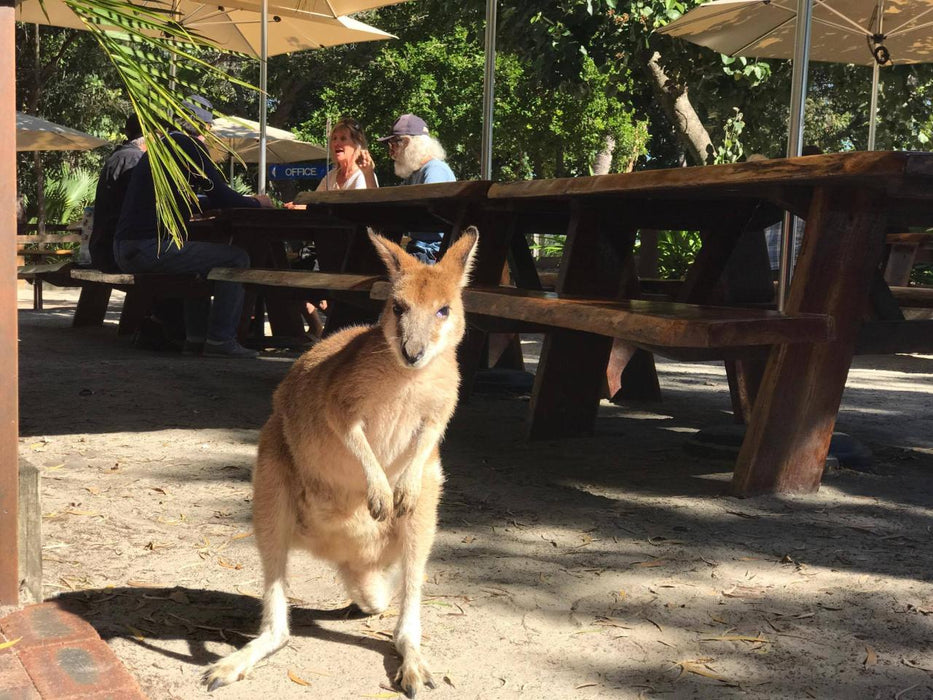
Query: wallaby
[[348, 465]]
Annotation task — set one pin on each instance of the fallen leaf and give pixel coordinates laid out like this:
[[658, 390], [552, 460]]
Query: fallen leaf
[[449, 682], [658, 541], [295, 678], [700, 668], [7, 645], [897, 696], [750, 516], [744, 592], [585, 685], [871, 658], [737, 638], [914, 664]]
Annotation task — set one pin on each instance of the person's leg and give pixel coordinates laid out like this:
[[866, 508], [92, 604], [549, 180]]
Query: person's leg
[[199, 257]]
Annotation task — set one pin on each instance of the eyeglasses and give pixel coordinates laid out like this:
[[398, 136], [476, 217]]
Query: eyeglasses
[[396, 141]]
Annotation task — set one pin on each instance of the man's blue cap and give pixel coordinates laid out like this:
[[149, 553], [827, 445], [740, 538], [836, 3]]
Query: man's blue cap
[[407, 125]]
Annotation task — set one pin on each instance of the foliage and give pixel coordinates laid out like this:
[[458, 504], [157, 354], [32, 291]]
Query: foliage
[[922, 274], [67, 191], [676, 252], [731, 149], [539, 131]]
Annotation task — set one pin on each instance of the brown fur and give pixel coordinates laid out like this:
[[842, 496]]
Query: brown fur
[[348, 464]]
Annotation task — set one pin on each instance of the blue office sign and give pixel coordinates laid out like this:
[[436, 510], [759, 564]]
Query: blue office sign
[[297, 171]]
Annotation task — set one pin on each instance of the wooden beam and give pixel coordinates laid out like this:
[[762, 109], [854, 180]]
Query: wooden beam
[[9, 397]]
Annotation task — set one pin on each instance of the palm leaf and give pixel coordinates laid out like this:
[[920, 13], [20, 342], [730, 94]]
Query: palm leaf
[[140, 42]]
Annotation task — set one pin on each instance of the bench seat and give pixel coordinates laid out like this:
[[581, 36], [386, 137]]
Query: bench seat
[[300, 279], [33, 252], [653, 324], [141, 289]]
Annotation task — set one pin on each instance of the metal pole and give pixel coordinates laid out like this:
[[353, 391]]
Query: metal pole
[[798, 92], [875, 76], [873, 114], [489, 88], [263, 59]]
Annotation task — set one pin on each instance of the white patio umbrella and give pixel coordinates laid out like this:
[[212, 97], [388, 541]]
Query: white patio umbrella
[[864, 32], [242, 137], [36, 134], [235, 25]]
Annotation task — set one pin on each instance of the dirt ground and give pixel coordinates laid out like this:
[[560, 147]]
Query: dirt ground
[[614, 566]]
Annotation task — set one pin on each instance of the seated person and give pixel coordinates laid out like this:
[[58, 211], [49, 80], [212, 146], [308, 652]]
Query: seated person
[[353, 170], [111, 190], [353, 166], [419, 160], [141, 243]]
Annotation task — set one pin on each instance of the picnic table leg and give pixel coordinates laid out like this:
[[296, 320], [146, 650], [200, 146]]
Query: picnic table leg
[[571, 374], [496, 230], [792, 421], [92, 305]]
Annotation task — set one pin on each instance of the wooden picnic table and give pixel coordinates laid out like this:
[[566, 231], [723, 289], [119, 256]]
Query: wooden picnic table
[[793, 385], [787, 369]]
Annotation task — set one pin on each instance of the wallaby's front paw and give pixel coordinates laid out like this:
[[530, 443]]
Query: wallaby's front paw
[[379, 502], [406, 497], [414, 676]]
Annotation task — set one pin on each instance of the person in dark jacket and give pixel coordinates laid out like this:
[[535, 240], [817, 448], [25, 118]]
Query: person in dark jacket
[[141, 243], [111, 190]]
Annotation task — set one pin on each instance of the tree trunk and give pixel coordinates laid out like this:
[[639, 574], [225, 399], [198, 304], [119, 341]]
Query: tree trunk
[[676, 104], [603, 161]]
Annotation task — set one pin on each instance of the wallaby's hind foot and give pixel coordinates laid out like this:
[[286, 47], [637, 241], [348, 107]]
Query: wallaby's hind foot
[[413, 676], [236, 666]]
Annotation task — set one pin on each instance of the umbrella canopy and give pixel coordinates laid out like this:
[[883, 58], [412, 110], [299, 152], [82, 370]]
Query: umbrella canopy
[[841, 31], [242, 136], [35, 134], [864, 32], [234, 26], [335, 8]]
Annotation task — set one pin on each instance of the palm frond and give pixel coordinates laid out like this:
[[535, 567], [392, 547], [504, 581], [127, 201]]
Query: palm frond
[[141, 42]]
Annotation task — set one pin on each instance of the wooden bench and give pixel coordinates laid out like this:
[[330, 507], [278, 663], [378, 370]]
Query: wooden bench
[[47, 257], [141, 289], [655, 325]]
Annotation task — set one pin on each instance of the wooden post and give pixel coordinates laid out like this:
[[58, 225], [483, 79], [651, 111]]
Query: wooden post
[[9, 395], [791, 424]]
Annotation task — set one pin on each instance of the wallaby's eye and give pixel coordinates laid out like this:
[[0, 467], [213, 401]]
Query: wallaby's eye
[[443, 312], [397, 308]]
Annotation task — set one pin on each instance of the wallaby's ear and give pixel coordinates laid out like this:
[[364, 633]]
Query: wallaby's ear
[[395, 259], [460, 256]]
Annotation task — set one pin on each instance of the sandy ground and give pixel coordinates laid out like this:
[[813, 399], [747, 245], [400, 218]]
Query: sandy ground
[[613, 566]]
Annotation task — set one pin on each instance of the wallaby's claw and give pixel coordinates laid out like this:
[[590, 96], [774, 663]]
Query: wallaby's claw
[[379, 504], [404, 500]]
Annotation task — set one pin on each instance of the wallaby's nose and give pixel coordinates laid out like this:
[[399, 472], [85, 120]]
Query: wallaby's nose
[[412, 357]]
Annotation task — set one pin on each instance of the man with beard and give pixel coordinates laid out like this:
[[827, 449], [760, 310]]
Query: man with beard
[[419, 160]]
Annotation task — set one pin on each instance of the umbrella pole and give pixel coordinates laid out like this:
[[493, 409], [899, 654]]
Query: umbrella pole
[[263, 59], [489, 88], [798, 92], [873, 115]]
